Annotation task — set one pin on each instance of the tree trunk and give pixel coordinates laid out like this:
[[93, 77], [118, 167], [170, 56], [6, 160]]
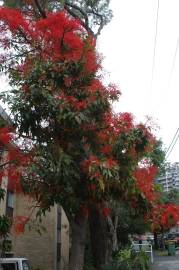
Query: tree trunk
[[79, 228], [156, 241], [113, 231], [100, 239], [1, 249], [162, 242]]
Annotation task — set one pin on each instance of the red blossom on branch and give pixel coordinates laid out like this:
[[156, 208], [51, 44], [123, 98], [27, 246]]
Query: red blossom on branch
[[145, 181], [5, 135], [164, 216]]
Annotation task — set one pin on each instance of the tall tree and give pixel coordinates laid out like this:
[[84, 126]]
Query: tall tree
[[83, 155]]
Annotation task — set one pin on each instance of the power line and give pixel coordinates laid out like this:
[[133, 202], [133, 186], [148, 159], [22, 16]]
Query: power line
[[176, 136], [172, 147], [173, 63], [155, 43], [172, 141]]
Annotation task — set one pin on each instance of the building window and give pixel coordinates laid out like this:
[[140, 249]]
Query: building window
[[59, 226], [59, 220], [10, 199]]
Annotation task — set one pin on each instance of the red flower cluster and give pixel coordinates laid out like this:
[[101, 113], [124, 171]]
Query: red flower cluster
[[55, 38], [145, 181], [12, 160], [14, 19], [91, 160], [165, 216], [5, 135], [58, 35]]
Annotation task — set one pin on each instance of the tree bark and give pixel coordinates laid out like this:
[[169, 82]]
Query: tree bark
[[156, 241], [100, 239], [162, 242], [113, 231], [1, 249], [79, 228]]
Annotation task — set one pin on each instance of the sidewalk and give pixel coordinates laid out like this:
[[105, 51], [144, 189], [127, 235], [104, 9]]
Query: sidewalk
[[165, 262]]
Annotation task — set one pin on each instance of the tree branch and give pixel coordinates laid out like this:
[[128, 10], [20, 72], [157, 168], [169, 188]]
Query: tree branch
[[20, 55], [5, 163], [41, 11], [101, 25], [24, 36], [80, 10], [85, 23]]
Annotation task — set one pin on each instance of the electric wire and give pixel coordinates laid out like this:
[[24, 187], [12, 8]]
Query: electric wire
[[174, 143], [172, 147], [176, 136], [155, 43], [173, 63]]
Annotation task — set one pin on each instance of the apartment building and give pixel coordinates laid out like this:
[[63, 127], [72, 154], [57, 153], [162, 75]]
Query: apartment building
[[170, 179], [45, 244]]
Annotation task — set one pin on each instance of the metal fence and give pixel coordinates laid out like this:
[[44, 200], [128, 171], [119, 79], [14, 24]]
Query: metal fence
[[145, 246]]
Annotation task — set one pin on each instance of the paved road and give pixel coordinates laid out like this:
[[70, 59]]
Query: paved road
[[166, 265], [166, 262]]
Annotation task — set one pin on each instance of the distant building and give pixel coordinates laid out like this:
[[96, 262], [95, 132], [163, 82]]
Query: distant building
[[170, 180]]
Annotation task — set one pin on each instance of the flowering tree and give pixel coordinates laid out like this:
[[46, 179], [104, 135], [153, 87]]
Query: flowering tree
[[10, 162], [82, 154], [163, 213], [164, 216]]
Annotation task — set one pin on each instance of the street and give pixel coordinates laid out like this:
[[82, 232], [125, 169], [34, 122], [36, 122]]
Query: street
[[166, 262], [166, 265]]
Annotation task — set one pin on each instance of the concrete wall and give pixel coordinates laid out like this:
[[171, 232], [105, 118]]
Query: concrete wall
[[39, 249], [42, 249]]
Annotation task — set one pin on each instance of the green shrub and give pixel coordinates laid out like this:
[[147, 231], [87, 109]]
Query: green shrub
[[141, 261], [128, 259]]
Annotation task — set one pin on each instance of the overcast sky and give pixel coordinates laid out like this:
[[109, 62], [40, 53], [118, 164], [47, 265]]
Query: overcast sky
[[128, 46]]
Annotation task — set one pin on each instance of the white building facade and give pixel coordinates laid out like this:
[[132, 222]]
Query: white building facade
[[170, 180]]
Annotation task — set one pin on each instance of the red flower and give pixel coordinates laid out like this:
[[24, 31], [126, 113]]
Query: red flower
[[111, 163], [145, 181], [13, 18], [106, 149], [80, 105], [5, 135]]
